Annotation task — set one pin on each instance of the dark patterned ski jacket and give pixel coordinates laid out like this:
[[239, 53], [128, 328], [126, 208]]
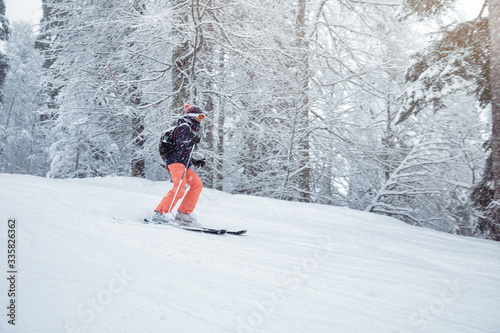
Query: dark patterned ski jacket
[[187, 129]]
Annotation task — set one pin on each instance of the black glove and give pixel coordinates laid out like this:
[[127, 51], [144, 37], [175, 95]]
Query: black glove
[[195, 140], [199, 163]]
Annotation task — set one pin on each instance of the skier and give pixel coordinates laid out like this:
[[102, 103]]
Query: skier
[[179, 164]]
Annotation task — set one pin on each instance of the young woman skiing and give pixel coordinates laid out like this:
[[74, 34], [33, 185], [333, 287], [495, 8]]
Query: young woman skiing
[[179, 161]]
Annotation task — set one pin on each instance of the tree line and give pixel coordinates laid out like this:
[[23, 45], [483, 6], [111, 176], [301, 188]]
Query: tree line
[[335, 102]]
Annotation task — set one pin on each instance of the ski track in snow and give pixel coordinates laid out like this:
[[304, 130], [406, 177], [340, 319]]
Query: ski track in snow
[[87, 264]]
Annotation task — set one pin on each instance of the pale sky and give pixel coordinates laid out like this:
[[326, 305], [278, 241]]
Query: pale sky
[[24, 10], [31, 10]]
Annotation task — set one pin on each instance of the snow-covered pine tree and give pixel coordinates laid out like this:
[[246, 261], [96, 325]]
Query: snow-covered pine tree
[[83, 146], [463, 55], [456, 60], [100, 118], [24, 149], [50, 26]]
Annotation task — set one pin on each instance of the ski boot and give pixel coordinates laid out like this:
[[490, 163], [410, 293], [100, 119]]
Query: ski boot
[[159, 218], [186, 220]]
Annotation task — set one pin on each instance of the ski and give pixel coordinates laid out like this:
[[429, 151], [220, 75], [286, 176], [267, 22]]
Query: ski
[[214, 231], [239, 232], [200, 229], [204, 230]]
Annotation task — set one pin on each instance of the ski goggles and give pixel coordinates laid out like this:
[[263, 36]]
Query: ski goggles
[[199, 116]]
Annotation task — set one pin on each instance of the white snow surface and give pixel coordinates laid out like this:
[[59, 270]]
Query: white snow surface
[[86, 264]]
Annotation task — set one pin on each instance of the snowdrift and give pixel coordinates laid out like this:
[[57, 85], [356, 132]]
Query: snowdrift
[[84, 263]]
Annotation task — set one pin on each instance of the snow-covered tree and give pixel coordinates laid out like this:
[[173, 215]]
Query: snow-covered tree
[[302, 98], [493, 210], [4, 36], [430, 185], [99, 100], [462, 57], [24, 133]]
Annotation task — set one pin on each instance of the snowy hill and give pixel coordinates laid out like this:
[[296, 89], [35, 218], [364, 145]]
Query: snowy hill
[[85, 264]]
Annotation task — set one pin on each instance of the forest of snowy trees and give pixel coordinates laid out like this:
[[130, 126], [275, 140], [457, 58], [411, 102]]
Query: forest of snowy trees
[[386, 106]]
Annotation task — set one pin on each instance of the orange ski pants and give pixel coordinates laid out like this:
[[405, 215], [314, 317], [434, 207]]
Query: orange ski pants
[[195, 186]]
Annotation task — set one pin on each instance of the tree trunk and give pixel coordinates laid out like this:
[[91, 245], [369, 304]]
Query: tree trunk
[[494, 31], [220, 149], [180, 62], [219, 144], [302, 45], [210, 180], [138, 163]]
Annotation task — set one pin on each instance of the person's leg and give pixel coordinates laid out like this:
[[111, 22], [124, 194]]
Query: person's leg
[[176, 171], [195, 185]]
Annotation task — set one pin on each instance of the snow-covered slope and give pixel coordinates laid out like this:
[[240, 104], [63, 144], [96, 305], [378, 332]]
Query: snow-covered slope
[[86, 264]]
